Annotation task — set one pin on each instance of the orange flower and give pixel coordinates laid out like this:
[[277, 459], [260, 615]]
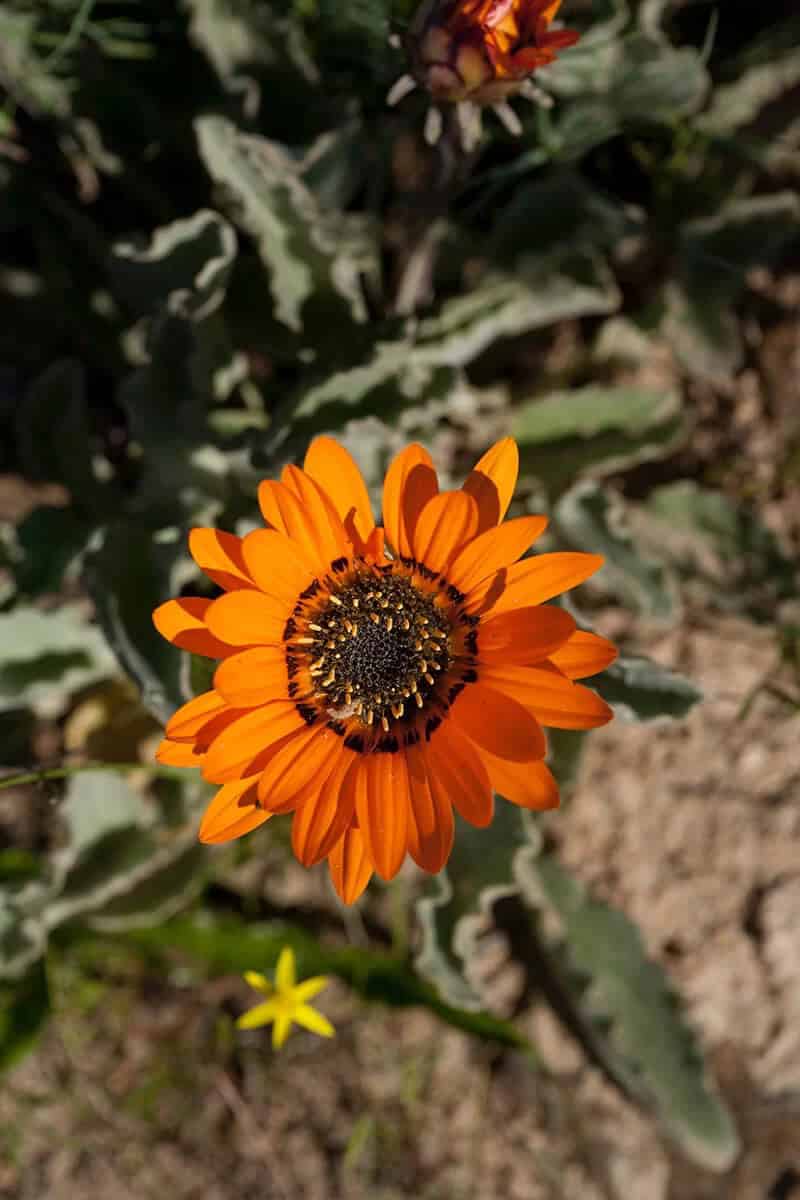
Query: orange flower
[[482, 50], [371, 693]]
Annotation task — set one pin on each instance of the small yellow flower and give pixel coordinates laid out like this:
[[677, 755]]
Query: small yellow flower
[[288, 1001]]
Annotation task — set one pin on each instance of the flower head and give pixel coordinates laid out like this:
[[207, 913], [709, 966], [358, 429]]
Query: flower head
[[482, 50], [288, 1001], [370, 690]]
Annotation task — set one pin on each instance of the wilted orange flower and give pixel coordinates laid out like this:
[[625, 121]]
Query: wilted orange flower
[[482, 50], [371, 692]]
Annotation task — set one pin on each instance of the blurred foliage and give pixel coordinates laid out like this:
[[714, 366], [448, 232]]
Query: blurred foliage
[[217, 241]]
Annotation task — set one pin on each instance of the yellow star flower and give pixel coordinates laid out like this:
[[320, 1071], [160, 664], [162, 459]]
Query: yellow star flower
[[288, 1001]]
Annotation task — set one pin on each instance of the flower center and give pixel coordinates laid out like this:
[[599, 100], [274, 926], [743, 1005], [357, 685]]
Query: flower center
[[379, 645]]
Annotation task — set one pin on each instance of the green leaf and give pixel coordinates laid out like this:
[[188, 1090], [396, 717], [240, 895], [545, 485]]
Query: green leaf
[[183, 267], [48, 540], [118, 870], [24, 1008], [47, 655], [596, 429], [592, 518], [419, 363], [23, 936], [739, 103], [175, 875], [717, 254], [722, 547], [620, 1005], [453, 903], [642, 690], [54, 434], [310, 254], [635, 79], [128, 576]]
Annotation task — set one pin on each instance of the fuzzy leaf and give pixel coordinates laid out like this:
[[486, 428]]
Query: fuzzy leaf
[[722, 547], [596, 429], [642, 690], [621, 1006], [183, 267], [54, 436], [128, 576], [592, 518], [419, 363], [455, 902], [48, 540], [47, 655], [717, 254], [115, 870], [309, 254], [22, 933], [24, 1008]]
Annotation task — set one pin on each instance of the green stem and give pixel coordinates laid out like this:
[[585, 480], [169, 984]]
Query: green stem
[[65, 772], [73, 34]]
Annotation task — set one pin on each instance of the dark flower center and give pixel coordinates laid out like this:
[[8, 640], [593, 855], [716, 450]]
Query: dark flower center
[[380, 644]]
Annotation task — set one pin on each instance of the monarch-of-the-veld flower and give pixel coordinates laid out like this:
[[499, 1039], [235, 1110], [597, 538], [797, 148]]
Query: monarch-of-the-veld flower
[[375, 678], [483, 50]]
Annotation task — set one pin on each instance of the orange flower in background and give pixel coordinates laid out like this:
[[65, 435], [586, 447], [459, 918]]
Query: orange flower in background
[[372, 691], [482, 50]]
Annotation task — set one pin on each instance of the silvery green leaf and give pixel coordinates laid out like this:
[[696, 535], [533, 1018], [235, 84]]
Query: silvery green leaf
[[591, 518], [621, 1007], [596, 430], [642, 690], [183, 267], [312, 255], [46, 655]]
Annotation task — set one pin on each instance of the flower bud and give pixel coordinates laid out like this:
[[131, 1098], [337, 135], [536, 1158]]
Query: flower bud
[[483, 50]]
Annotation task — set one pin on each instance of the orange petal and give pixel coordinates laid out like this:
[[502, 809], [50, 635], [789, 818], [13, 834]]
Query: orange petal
[[253, 677], [232, 812], [249, 736], [350, 866], [298, 766], [584, 654], [431, 827], [375, 545], [409, 484], [497, 723], [492, 481], [178, 754], [214, 727], [182, 622], [184, 724], [382, 803], [523, 635], [219, 554], [493, 550], [308, 522], [277, 565], [320, 821], [335, 470], [457, 776], [248, 618], [532, 581], [446, 523], [552, 699], [530, 785]]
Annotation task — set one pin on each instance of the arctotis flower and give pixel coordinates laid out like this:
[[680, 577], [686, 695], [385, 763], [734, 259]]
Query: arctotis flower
[[373, 679], [482, 50]]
